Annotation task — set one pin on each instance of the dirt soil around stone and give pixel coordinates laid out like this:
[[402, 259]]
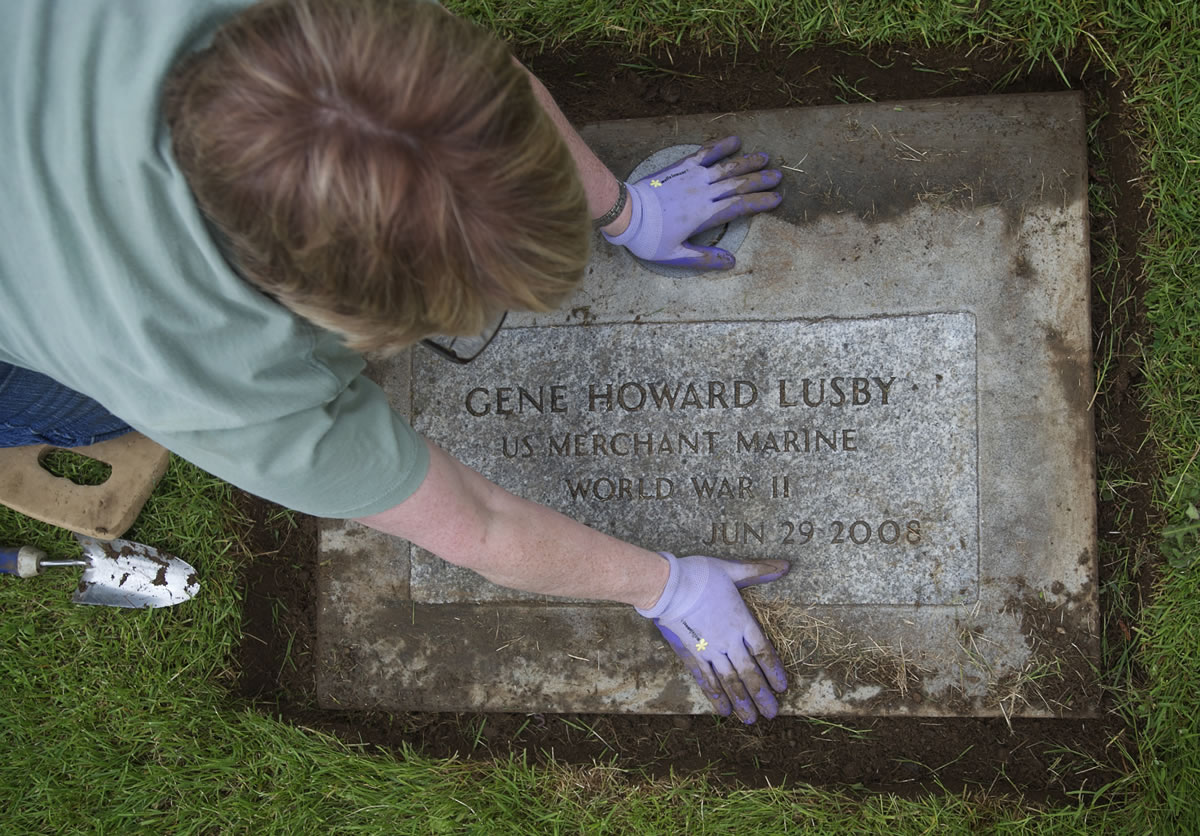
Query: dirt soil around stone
[[1038, 759]]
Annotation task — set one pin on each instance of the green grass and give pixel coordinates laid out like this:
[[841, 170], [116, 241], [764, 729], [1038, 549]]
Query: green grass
[[118, 722]]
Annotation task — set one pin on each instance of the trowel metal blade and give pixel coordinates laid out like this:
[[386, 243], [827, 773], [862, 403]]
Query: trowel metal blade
[[126, 574]]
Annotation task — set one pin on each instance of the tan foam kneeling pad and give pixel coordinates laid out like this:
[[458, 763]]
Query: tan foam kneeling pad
[[102, 511]]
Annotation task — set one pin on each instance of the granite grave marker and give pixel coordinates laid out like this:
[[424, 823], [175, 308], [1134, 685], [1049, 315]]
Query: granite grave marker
[[891, 390]]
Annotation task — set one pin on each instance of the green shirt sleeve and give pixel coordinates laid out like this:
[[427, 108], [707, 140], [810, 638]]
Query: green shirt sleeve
[[350, 457]]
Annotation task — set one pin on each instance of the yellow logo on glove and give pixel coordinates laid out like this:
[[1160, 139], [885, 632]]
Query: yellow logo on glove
[[703, 643]]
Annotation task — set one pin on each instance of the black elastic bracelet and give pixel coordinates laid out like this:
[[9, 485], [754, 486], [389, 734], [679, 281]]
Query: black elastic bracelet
[[615, 212]]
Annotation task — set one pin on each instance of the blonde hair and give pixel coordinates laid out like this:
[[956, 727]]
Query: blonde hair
[[380, 167]]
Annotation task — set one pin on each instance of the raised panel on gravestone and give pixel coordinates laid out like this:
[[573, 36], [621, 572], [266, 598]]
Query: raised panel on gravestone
[[740, 439], [891, 390]]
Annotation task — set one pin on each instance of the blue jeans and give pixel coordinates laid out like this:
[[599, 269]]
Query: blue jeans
[[35, 409]]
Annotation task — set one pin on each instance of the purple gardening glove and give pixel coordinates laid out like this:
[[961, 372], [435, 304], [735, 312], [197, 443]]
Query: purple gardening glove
[[697, 193], [702, 616]]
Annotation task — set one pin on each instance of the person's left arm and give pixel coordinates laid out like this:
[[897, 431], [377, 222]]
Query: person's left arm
[[599, 183], [706, 189]]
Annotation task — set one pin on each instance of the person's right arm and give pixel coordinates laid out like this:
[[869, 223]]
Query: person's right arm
[[467, 520]]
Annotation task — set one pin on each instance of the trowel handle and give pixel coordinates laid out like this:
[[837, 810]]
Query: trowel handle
[[22, 561]]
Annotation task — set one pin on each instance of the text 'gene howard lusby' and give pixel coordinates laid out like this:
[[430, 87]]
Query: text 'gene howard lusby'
[[671, 396]]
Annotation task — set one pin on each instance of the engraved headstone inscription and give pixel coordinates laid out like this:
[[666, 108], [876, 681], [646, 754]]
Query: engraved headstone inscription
[[890, 390], [848, 445]]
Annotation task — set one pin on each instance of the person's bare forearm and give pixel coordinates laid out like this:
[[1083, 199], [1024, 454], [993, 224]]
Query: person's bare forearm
[[465, 519], [599, 183]]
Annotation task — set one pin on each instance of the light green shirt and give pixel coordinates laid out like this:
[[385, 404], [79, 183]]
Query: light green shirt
[[111, 283]]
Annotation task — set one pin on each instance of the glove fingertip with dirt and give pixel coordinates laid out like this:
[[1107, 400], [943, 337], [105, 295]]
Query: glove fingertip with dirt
[[702, 616]]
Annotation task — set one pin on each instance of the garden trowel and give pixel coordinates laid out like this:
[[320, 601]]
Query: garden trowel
[[117, 573]]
